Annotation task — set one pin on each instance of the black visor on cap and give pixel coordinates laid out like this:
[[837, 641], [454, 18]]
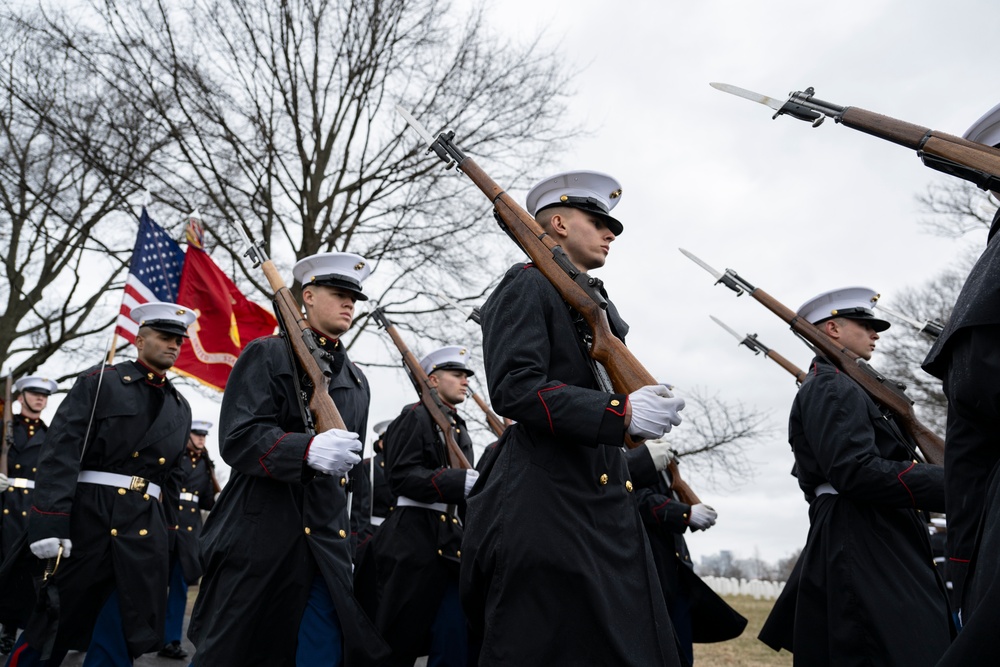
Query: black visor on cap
[[590, 205], [198, 431], [343, 282], [37, 390], [454, 366], [859, 313], [167, 326]]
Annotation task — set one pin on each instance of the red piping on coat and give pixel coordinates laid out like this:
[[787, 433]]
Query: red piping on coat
[[545, 405]]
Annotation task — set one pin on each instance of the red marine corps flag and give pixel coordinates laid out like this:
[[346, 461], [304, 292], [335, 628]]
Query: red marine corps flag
[[226, 322]]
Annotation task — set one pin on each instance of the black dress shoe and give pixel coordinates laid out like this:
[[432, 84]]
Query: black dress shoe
[[173, 650]]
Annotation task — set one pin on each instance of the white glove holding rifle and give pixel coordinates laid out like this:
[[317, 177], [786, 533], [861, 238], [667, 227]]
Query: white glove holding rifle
[[334, 452], [4, 482], [654, 411], [702, 517], [49, 547]]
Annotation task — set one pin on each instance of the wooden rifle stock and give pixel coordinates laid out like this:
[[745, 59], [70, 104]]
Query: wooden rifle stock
[[495, 423], [428, 395], [953, 155], [296, 328], [8, 422], [798, 373], [581, 291]]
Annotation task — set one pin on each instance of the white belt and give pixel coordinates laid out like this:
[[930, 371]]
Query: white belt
[[137, 484], [403, 501], [824, 488], [190, 497], [22, 483], [377, 520]]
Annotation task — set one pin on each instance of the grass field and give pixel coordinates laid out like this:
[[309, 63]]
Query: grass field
[[746, 650]]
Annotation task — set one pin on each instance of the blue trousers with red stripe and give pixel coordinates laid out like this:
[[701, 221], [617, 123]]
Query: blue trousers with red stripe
[[107, 645]]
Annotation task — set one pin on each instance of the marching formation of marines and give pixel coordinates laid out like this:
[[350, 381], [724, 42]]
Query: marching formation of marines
[[564, 547]]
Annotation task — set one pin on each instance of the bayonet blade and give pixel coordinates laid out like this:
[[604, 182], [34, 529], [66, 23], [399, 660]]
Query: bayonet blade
[[727, 328], [899, 316], [415, 124], [718, 274], [749, 95]]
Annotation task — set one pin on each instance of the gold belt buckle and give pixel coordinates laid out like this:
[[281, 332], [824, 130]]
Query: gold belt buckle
[[138, 484]]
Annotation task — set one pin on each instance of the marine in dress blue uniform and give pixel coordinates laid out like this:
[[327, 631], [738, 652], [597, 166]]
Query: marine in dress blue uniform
[[864, 589], [106, 489], [417, 550], [197, 495], [32, 392], [556, 568], [966, 356], [277, 588]]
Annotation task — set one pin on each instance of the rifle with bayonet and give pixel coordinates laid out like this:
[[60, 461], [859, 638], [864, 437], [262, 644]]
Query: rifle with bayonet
[[952, 155], [751, 342], [8, 422], [582, 292], [881, 389], [300, 336], [492, 420], [429, 397], [930, 327]]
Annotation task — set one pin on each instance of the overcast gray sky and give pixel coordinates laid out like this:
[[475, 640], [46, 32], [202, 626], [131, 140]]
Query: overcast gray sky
[[795, 210]]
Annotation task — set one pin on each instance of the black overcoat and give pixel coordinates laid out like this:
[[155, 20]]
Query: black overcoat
[[120, 537], [277, 524], [197, 481], [966, 356], [22, 464], [697, 612], [556, 568], [865, 589], [416, 551]]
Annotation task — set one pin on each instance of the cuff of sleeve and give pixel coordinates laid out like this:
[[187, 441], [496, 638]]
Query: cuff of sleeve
[[612, 429], [42, 525], [450, 485], [285, 460]]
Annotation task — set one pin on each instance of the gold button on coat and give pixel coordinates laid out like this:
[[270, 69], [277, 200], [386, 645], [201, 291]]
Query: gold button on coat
[[114, 532], [343, 533], [143, 532], [615, 402], [343, 481], [308, 530], [443, 518], [135, 455], [190, 528], [628, 485], [122, 492], [162, 461], [604, 479]]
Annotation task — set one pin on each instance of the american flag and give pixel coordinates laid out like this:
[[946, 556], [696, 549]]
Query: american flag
[[154, 273]]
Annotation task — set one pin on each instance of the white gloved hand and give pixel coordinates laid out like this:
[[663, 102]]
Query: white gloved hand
[[334, 452], [654, 411], [49, 547], [471, 475], [4, 482], [702, 516], [660, 453]]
